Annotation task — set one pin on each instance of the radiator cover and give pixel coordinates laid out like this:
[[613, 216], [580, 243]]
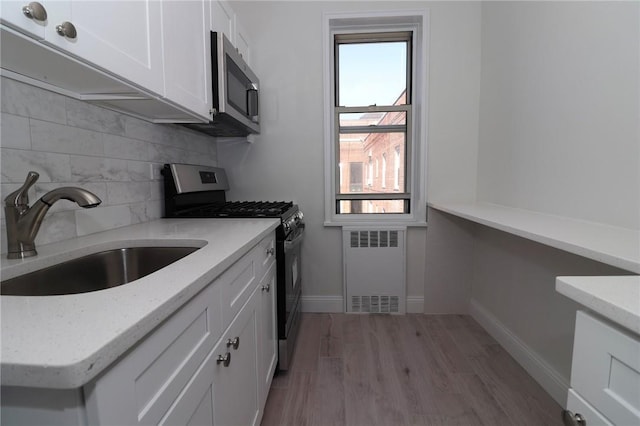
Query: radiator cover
[[374, 268]]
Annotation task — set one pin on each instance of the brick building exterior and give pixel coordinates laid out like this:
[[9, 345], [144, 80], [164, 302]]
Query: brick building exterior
[[373, 162]]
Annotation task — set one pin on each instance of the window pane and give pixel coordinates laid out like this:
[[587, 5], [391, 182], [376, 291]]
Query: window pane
[[372, 74], [372, 206], [390, 118], [384, 156]]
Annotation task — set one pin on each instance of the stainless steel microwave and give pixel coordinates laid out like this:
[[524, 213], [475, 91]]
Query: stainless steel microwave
[[235, 92]]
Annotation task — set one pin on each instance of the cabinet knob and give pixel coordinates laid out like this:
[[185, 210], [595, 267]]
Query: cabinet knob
[[271, 251], [571, 419], [235, 342], [224, 359], [35, 11], [266, 288], [67, 29]]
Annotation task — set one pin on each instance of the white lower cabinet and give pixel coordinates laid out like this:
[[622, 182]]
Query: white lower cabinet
[[267, 335], [235, 374], [210, 363], [605, 374], [223, 391]]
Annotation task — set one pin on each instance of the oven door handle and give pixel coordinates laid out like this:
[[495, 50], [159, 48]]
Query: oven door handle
[[290, 245]]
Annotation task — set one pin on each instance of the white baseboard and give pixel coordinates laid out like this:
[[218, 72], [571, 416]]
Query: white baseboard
[[415, 304], [543, 373], [334, 304]]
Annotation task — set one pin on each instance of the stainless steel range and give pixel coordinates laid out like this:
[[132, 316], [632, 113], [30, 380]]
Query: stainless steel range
[[200, 192]]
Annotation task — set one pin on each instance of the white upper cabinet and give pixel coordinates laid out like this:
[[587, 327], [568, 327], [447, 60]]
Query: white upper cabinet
[[27, 17], [147, 58], [223, 19], [242, 43], [187, 54], [121, 37]]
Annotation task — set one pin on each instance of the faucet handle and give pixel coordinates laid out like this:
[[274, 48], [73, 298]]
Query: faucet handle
[[20, 197]]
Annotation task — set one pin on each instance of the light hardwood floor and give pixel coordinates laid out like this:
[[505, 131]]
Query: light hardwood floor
[[403, 370]]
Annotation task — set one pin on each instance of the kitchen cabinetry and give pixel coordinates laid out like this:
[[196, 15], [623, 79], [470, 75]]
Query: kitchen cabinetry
[[28, 18], [202, 365], [150, 59], [187, 54], [605, 374], [242, 43], [267, 336], [224, 20], [120, 37], [207, 363]]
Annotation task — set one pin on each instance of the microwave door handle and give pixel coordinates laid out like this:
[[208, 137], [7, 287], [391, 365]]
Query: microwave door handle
[[252, 103]]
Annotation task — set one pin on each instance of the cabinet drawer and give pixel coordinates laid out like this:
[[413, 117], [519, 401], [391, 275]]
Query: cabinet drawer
[[577, 405], [606, 369], [238, 282], [140, 388]]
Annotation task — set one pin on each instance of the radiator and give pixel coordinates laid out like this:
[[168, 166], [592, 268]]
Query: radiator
[[374, 269]]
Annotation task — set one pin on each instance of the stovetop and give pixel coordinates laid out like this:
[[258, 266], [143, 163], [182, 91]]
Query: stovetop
[[239, 209], [192, 191]]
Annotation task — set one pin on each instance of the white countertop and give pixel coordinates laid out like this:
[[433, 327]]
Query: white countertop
[[612, 245], [65, 341], [614, 297]]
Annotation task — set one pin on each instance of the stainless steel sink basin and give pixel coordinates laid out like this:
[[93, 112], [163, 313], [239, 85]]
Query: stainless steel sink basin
[[94, 272]]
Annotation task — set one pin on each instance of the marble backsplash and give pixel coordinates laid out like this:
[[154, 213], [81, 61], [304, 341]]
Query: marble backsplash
[[74, 143]]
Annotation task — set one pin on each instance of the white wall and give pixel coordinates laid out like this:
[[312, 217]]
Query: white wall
[[73, 143], [559, 133], [559, 109], [286, 161]]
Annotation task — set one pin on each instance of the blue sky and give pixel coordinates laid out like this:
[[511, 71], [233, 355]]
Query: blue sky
[[371, 73]]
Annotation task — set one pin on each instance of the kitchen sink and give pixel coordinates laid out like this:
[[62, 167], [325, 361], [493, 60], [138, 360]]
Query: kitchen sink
[[93, 272]]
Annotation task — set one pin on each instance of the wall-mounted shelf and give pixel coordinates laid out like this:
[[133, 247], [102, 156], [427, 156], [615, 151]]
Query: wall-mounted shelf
[[619, 247]]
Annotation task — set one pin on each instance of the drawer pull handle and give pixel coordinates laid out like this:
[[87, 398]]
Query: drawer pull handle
[[271, 251], [235, 342], [570, 419], [224, 359], [266, 288], [67, 29], [35, 11]]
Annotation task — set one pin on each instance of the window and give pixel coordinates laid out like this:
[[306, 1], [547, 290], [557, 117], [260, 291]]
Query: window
[[372, 103], [376, 78]]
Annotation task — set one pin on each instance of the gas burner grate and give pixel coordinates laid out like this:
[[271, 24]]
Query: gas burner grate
[[240, 209]]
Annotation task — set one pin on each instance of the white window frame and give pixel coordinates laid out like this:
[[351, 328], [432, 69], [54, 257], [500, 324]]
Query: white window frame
[[370, 22]]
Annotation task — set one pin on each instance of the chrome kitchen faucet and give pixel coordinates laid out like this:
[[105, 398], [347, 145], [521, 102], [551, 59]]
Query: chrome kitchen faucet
[[23, 222]]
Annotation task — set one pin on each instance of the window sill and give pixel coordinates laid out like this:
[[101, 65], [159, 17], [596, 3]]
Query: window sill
[[358, 221]]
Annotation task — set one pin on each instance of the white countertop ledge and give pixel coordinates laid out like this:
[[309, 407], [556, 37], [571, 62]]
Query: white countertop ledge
[[614, 297], [65, 341], [619, 247]]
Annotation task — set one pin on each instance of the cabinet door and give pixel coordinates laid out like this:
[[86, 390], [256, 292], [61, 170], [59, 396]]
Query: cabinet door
[[235, 395], [223, 19], [121, 37], [267, 334], [13, 15], [606, 368], [194, 405], [187, 54], [242, 43]]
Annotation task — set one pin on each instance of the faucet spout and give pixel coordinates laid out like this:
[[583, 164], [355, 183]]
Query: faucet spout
[[23, 222], [80, 196]]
